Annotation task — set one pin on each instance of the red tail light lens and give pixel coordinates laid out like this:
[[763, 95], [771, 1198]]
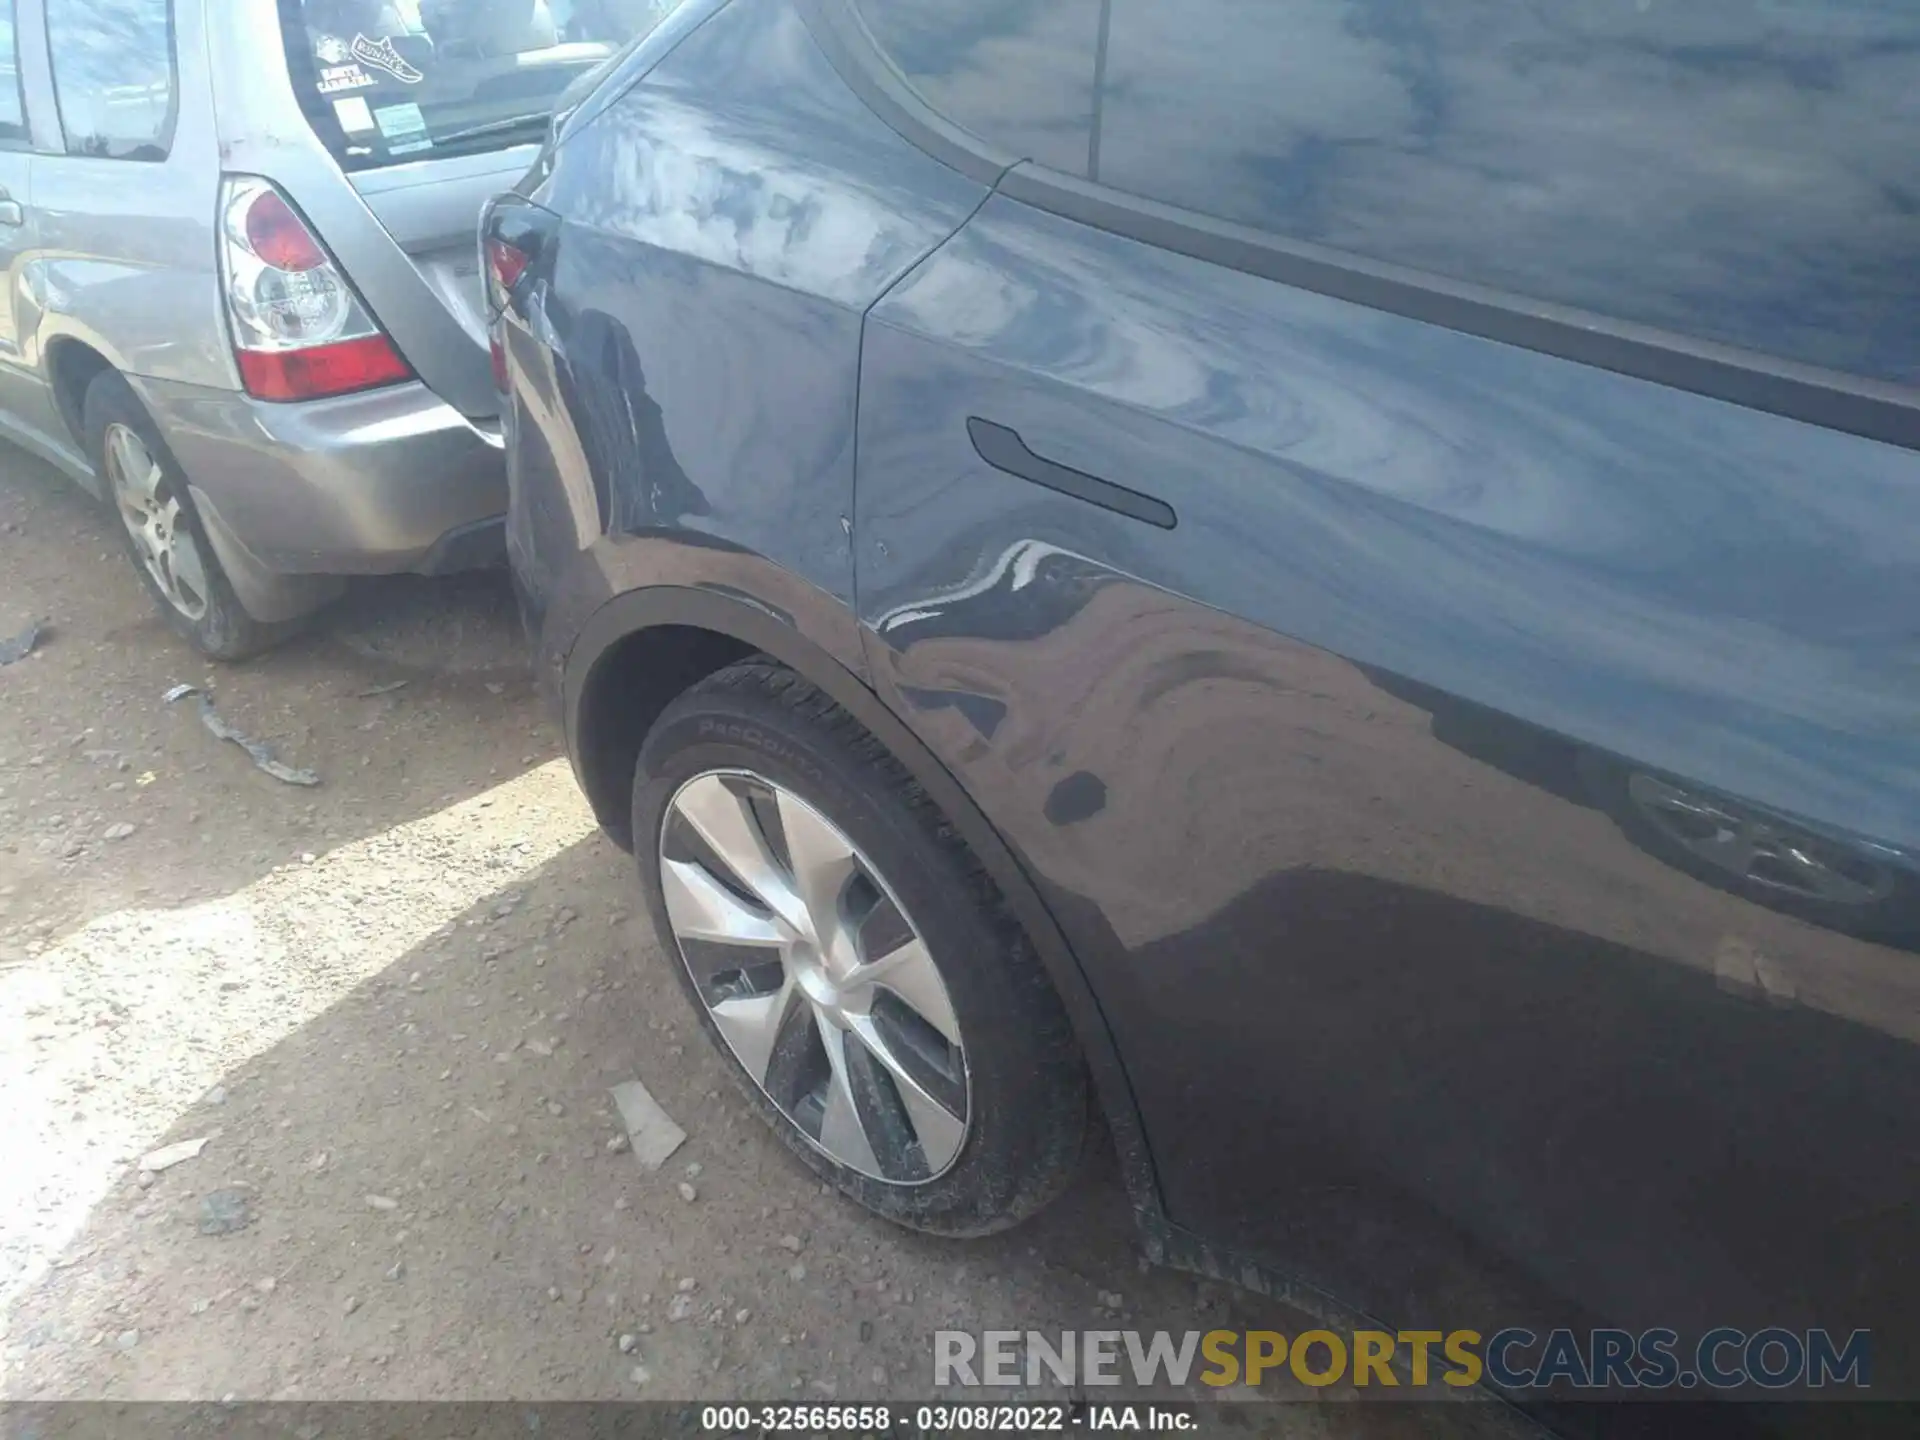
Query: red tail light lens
[[506, 263], [322, 370], [278, 237]]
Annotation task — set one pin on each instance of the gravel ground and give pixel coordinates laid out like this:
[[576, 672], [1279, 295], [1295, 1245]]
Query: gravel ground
[[393, 1006]]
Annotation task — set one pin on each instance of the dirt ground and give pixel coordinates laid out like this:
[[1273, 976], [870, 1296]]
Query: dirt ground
[[393, 1004]]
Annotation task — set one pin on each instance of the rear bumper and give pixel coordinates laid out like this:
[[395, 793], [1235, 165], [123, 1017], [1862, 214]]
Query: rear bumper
[[375, 483]]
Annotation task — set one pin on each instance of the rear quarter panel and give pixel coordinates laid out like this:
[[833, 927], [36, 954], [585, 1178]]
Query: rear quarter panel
[[686, 371]]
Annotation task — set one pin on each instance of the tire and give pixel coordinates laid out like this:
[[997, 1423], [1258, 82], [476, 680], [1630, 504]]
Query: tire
[[759, 741], [181, 573]]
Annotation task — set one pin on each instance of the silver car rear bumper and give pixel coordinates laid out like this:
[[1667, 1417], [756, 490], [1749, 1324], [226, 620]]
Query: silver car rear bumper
[[378, 482]]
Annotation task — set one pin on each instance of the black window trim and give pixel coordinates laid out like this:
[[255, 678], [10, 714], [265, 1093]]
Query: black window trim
[[1873, 409], [163, 142]]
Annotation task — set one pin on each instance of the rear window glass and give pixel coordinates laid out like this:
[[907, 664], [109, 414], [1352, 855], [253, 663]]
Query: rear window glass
[[391, 81], [113, 76]]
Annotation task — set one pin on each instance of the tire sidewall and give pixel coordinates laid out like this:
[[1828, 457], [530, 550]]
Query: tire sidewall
[[747, 732]]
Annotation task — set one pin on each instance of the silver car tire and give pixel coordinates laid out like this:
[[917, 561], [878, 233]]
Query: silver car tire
[[153, 511], [845, 953]]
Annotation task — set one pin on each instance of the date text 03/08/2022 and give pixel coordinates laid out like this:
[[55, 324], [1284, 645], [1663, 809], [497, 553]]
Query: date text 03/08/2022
[[949, 1419]]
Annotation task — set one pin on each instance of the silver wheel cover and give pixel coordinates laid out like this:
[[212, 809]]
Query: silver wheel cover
[[150, 510], [815, 976]]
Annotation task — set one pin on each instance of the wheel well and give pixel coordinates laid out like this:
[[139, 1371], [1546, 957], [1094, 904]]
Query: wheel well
[[624, 694], [72, 365], [670, 638]]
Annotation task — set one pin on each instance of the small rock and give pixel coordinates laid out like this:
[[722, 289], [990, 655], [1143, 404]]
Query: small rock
[[553, 1292], [796, 1273], [618, 1145], [740, 1317], [127, 1339], [224, 1211], [118, 832], [396, 1270], [687, 1285], [693, 1170], [680, 1308], [640, 1375], [382, 1202], [199, 1307], [628, 1344], [688, 1193], [144, 1179], [353, 1304], [790, 1243], [167, 1156], [217, 1095], [555, 1108], [266, 1284], [879, 1375]]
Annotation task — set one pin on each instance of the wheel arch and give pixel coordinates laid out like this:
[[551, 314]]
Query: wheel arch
[[72, 364], [642, 649]]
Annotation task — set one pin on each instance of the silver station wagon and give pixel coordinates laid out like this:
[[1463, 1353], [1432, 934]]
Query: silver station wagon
[[241, 294]]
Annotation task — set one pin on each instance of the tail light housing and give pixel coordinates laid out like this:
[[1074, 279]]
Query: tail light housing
[[505, 264], [513, 233], [299, 330]]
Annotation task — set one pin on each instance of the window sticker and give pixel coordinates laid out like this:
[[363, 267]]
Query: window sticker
[[331, 50], [355, 117], [334, 78], [404, 127], [382, 56]]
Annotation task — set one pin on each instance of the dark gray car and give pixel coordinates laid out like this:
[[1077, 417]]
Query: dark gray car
[[241, 296], [1334, 582]]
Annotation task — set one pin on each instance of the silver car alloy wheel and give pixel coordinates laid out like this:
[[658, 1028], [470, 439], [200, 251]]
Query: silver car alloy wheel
[[815, 976], [153, 517]]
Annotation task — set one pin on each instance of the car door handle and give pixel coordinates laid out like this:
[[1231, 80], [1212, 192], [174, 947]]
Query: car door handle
[[1004, 450], [10, 212]]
